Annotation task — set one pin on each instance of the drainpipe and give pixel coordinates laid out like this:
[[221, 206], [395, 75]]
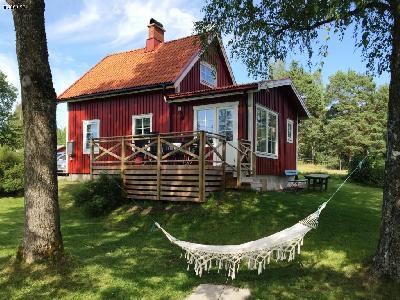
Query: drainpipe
[[168, 105], [246, 115]]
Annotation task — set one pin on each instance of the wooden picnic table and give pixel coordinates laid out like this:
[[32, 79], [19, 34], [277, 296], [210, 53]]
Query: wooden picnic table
[[317, 180]]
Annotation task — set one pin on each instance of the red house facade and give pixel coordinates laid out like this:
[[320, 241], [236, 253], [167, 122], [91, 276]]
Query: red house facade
[[173, 87]]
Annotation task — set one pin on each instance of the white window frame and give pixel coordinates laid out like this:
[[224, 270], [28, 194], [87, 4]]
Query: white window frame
[[134, 117], [234, 105], [289, 123], [266, 154], [214, 70], [96, 122]]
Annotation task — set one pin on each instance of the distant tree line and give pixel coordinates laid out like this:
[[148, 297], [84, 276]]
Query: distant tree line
[[12, 139], [348, 114], [11, 130]]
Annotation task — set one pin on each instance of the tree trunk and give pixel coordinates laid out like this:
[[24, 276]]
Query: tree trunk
[[42, 235], [387, 258]]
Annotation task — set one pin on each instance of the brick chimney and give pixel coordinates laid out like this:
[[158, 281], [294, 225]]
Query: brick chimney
[[156, 35]]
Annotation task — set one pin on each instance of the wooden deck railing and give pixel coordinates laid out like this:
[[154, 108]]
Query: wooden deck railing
[[184, 166]]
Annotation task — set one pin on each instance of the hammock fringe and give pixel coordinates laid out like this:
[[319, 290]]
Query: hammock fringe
[[281, 246]]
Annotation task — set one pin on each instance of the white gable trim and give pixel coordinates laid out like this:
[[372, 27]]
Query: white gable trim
[[269, 84], [221, 45], [195, 59], [185, 71]]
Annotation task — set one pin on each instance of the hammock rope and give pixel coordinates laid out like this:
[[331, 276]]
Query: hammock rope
[[281, 246]]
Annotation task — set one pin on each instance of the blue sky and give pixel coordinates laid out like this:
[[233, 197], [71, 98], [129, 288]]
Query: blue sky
[[80, 33]]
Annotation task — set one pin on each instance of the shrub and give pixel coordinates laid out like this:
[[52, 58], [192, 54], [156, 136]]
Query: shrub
[[100, 196], [11, 171], [372, 171], [13, 179]]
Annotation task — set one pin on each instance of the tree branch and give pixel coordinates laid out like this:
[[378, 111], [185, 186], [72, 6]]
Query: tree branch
[[382, 7]]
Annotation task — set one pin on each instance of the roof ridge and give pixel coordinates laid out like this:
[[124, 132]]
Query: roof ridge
[[167, 42]]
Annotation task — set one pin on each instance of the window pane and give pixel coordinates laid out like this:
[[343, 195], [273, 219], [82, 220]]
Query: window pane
[[225, 123], [205, 120], [207, 75], [272, 127], [146, 122], [271, 147], [146, 130], [261, 124], [138, 123]]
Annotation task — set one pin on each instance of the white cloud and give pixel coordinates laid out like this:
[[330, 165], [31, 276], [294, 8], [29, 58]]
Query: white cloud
[[63, 78], [9, 66], [122, 22]]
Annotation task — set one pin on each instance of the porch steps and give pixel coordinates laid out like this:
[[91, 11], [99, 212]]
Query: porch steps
[[231, 181]]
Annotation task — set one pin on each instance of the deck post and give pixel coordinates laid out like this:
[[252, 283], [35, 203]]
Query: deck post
[[224, 164], [253, 162], [159, 157], [91, 158], [201, 166], [238, 165], [123, 160]]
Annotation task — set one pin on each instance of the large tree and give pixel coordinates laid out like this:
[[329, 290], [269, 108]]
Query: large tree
[[356, 117], [259, 31], [42, 235]]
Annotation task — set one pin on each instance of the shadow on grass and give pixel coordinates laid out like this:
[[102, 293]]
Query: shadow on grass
[[123, 256]]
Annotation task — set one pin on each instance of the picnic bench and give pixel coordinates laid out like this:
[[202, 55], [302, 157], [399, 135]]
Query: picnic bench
[[295, 183], [317, 180]]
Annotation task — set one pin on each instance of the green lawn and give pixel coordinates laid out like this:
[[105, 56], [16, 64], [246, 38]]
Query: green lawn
[[123, 256]]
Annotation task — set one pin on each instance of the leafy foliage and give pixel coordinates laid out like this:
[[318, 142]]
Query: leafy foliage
[[100, 196], [61, 136], [8, 95], [13, 135], [348, 115], [13, 180], [372, 172], [263, 30], [11, 171], [356, 116]]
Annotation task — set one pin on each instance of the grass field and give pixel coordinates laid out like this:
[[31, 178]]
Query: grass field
[[122, 256], [311, 168]]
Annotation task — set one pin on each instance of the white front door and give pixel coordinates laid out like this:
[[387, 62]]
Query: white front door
[[222, 119]]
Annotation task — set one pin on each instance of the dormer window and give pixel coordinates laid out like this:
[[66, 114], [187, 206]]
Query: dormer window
[[208, 74]]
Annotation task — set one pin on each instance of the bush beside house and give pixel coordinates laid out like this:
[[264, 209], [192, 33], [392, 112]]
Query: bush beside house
[[100, 196]]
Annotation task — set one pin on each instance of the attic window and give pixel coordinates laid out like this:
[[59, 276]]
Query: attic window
[[208, 74]]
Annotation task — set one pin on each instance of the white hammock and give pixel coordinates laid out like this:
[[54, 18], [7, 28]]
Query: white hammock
[[282, 245]]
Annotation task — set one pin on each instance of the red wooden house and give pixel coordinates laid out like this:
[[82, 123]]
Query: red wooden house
[[170, 86]]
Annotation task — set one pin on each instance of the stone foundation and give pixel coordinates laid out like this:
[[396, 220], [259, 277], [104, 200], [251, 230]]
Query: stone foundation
[[269, 182]]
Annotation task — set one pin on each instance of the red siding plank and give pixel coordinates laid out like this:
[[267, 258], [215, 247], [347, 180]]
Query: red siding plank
[[115, 117], [279, 101], [191, 82]]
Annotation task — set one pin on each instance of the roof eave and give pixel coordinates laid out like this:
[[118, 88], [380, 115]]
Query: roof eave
[[286, 82], [211, 94], [118, 92]]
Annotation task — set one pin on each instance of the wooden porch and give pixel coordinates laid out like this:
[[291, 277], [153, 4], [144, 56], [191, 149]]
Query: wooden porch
[[180, 166]]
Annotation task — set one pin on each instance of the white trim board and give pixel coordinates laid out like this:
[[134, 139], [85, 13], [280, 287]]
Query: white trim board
[[208, 96], [195, 59], [185, 71], [269, 84]]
